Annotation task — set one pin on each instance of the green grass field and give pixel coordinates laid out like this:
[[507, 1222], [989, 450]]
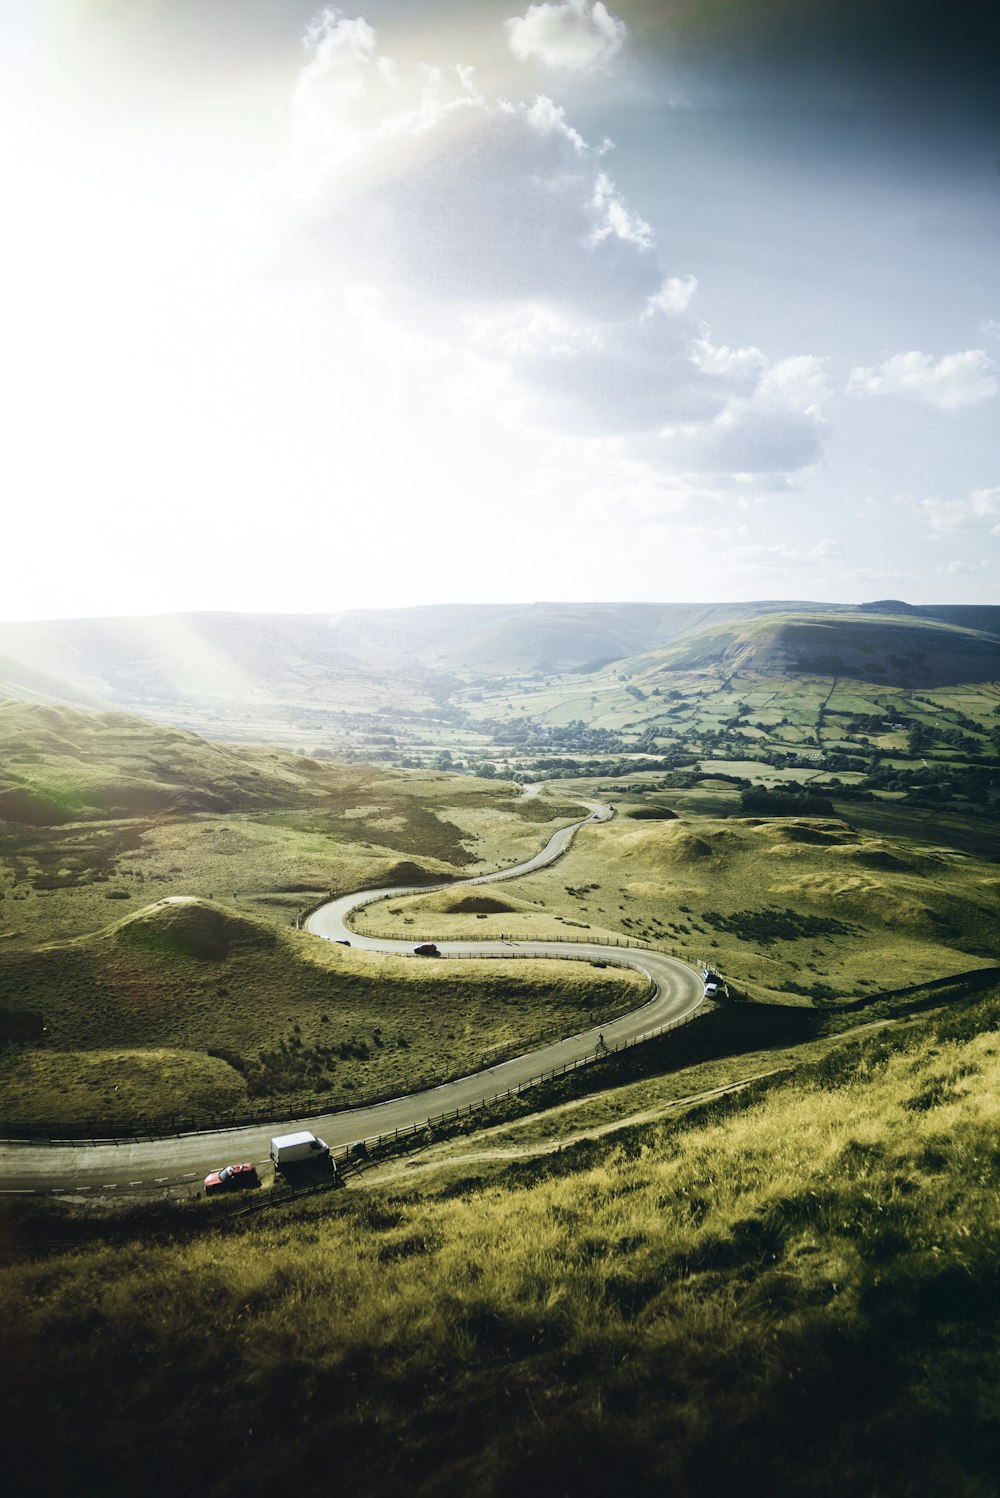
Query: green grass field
[[797, 1281], [106, 811], [811, 913]]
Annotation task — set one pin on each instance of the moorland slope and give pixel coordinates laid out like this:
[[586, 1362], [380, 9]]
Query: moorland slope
[[796, 1281], [902, 652]]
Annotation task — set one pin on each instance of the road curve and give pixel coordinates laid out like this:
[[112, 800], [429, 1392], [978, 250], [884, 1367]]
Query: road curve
[[165, 1164]]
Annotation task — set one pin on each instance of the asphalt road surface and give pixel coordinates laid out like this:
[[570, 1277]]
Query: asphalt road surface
[[179, 1163]]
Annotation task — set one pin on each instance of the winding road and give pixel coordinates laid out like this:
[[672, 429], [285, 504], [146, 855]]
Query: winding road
[[166, 1164]]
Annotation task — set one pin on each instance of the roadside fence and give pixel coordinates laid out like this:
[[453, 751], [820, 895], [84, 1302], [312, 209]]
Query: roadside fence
[[378, 1147]]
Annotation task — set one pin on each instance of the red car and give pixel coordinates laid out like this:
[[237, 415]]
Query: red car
[[232, 1178]]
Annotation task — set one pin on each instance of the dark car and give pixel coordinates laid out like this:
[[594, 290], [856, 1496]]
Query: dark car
[[427, 949], [232, 1178]]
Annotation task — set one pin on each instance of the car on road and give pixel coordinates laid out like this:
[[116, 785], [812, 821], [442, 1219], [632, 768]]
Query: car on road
[[427, 949], [232, 1178]]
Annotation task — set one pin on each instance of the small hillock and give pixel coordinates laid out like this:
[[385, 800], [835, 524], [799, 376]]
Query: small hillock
[[185, 927], [479, 905]]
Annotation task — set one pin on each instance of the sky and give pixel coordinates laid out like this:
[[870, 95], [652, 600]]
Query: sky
[[307, 309]]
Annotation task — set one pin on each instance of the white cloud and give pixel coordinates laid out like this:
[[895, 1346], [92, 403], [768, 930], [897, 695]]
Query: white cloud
[[983, 502], [629, 375], [769, 421], [748, 437], [673, 296], [798, 383], [615, 219], [577, 35], [414, 177], [946, 515], [485, 234], [874, 575], [760, 558], [345, 81], [954, 380], [742, 366]]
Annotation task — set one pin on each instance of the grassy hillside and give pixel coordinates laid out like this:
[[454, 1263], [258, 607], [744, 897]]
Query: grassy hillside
[[106, 807], [898, 652], [798, 910], [59, 766], [797, 1282], [168, 932], [148, 884], [357, 659], [187, 1006]]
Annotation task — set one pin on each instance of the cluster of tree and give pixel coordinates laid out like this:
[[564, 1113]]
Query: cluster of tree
[[553, 767], [575, 735], [784, 801], [871, 723], [922, 736], [937, 782]]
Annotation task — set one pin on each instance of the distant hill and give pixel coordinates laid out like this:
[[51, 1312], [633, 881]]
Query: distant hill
[[984, 617], [374, 660], [59, 765], [363, 658], [908, 651]]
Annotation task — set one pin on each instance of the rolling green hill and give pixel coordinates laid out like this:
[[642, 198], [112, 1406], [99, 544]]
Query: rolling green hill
[[397, 685], [196, 1000], [902, 652], [353, 659], [59, 765], [189, 1005]]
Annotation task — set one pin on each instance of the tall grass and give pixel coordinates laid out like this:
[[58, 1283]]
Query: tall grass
[[796, 1292]]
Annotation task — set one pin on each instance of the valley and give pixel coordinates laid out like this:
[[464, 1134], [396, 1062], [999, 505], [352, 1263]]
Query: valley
[[797, 1184]]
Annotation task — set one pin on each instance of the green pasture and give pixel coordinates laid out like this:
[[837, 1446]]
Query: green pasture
[[789, 713], [264, 831]]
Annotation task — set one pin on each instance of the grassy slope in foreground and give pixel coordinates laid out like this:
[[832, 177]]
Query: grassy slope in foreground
[[800, 1285]]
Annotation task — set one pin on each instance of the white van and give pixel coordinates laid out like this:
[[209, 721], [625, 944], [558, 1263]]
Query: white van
[[293, 1149]]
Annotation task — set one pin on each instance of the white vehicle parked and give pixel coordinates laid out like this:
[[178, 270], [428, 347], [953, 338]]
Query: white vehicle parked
[[294, 1149]]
